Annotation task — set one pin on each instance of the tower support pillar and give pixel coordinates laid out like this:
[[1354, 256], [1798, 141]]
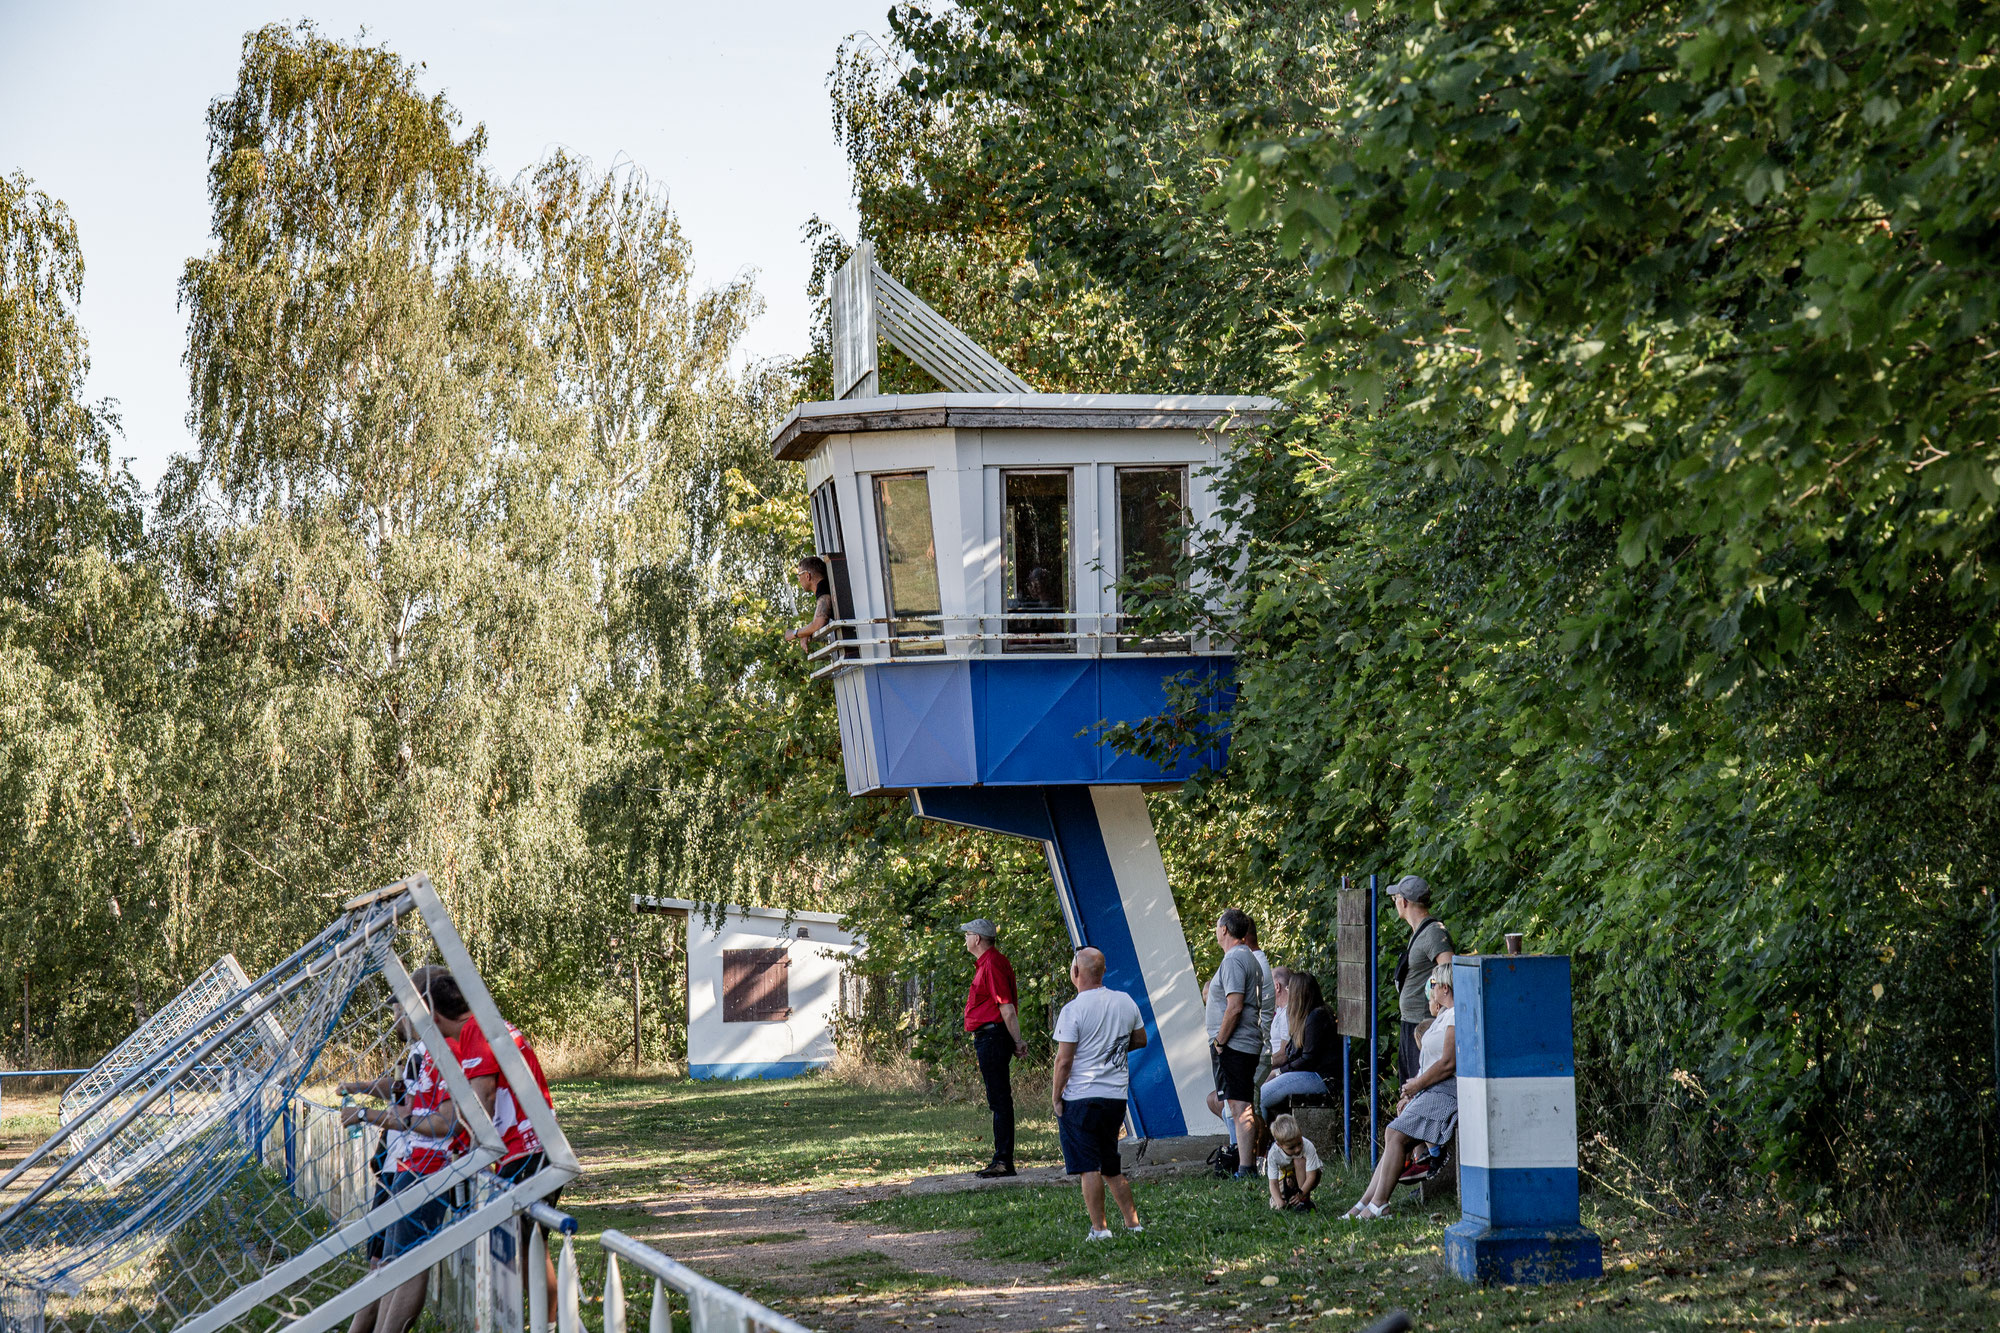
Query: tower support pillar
[[1112, 886]]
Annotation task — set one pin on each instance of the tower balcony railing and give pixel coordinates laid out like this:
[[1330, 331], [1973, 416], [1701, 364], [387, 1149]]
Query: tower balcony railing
[[885, 640]]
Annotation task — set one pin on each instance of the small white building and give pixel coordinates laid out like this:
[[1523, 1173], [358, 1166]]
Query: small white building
[[763, 986]]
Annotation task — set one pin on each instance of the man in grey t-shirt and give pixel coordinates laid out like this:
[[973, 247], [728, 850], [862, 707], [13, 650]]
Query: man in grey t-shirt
[[1237, 1004], [1429, 946]]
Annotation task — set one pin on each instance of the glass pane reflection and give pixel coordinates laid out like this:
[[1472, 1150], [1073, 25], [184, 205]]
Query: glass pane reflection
[[1152, 510], [1036, 506], [909, 560]]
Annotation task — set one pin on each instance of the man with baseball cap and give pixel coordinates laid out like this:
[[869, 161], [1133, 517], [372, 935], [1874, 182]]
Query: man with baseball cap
[[992, 1017], [1430, 945]]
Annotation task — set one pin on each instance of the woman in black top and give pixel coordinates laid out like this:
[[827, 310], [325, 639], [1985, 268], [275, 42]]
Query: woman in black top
[[1312, 1056], [812, 577]]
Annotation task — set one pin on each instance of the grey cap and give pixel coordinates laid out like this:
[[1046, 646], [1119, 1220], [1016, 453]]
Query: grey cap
[[981, 926], [1413, 887]]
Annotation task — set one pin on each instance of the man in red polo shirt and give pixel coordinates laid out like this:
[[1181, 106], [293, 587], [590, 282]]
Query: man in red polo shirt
[[992, 1019]]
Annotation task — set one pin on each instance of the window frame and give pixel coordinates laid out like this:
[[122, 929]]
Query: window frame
[[1134, 643], [899, 636], [1030, 643]]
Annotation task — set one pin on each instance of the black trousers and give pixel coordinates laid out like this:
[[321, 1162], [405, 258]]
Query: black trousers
[[1409, 1054], [995, 1049]]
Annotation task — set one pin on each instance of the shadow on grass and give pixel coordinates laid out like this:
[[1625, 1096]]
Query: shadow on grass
[[1214, 1245]]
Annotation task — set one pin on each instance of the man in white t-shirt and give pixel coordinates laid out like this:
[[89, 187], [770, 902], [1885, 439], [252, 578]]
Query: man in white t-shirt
[[1093, 1034]]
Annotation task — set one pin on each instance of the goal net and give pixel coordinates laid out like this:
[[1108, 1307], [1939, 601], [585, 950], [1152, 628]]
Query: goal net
[[201, 1179]]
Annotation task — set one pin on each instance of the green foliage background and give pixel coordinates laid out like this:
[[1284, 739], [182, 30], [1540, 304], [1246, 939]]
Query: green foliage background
[[1622, 566], [1622, 562]]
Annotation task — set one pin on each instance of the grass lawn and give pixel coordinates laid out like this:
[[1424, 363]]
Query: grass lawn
[[804, 1133], [1212, 1245], [1215, 1245]]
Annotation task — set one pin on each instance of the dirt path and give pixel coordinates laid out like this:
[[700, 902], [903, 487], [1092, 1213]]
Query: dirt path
[[797, 1249]]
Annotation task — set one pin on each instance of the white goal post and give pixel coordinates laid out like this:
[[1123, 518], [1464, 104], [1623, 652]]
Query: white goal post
[[200, 1179]]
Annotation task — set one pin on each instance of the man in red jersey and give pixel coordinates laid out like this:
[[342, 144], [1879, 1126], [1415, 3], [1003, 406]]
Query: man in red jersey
[[434, 1115], [420, 1116], [991, 1016], [521, 1148]]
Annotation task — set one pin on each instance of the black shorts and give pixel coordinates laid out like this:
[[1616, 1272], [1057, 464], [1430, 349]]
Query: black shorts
[[1089, 1132], [1235, 1073]]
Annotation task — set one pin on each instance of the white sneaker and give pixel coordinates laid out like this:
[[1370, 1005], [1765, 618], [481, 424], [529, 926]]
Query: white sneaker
[[1099, 1235], [1135, 1228]]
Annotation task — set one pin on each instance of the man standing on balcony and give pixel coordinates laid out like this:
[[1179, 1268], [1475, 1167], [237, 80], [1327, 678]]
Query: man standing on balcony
[[991, 1016]]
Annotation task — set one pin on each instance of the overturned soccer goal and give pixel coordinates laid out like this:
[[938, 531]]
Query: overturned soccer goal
[[202, 1179]]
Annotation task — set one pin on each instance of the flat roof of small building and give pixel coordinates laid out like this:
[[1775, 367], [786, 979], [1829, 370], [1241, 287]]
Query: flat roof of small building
[[644, 902], [810, 423]]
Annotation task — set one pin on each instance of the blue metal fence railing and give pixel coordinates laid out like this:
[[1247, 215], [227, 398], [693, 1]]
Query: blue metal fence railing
[[6, 1074]]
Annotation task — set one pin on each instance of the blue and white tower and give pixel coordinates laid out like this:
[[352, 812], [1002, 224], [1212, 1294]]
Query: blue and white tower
[[1517, 1165], [974, 540]]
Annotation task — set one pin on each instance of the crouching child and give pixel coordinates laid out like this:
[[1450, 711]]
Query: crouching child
[[1292, 1166]]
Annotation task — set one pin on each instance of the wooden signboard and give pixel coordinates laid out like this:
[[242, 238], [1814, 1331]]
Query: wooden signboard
[[1355, 1006]]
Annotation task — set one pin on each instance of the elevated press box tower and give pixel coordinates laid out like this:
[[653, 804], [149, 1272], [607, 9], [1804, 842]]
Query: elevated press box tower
[[975, 540]]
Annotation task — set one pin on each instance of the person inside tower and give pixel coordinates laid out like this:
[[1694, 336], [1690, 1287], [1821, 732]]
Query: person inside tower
[[813, 578], [1427, 1110]]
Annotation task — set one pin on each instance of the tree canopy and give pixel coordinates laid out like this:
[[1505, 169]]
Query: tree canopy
[[1621, 562], [1621, 565]]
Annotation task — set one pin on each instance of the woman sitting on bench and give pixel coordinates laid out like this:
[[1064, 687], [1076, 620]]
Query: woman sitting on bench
[[1427, 1112], [1311, 1055]]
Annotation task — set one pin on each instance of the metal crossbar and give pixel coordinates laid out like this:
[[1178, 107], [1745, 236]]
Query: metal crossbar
[[867, 302], [202, 1177]]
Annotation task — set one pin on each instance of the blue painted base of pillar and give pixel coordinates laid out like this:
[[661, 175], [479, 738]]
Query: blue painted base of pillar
[[1522, 1255]]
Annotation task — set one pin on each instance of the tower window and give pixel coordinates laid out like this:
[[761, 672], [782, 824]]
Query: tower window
[[1036, 506]]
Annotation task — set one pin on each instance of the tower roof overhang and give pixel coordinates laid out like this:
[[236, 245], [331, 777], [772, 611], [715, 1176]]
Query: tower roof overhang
[[809, 424]]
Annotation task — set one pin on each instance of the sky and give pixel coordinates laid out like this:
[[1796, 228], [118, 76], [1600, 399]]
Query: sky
[[103, 106]]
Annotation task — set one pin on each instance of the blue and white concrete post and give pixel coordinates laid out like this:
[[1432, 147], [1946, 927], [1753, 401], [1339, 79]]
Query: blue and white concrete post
[[1517, 1177]]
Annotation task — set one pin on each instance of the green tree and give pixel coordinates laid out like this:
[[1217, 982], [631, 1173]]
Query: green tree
[[87, 642], [1539, 611]]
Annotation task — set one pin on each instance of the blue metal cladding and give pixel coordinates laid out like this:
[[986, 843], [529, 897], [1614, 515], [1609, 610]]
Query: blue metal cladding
[[923, 723], [1517, 1175], [1014, 721], [1065, 819], [1100, 911], [1520, 1026]]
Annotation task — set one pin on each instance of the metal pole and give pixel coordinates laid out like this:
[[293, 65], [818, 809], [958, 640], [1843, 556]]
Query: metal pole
[[1374, 1027], [635, 1011], [1347, 1098], [1996, 1074]]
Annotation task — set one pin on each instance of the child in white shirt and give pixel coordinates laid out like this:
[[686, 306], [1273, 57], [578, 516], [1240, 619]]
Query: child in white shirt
[[1292, 1167]]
